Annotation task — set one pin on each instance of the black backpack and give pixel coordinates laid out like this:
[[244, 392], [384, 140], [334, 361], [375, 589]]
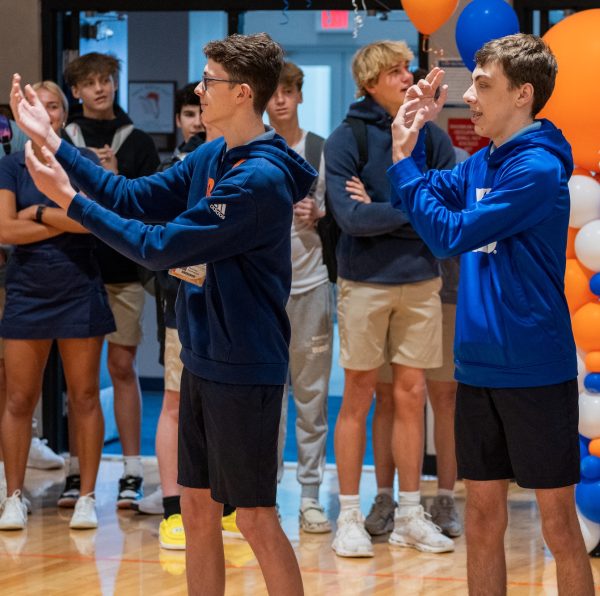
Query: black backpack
[[328, 228]]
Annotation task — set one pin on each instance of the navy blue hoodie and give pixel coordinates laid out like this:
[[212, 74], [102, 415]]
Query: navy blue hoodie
[[229, 209], [378, 243], [507, 213]]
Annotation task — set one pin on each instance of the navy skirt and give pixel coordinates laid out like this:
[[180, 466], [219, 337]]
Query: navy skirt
[[55, 296]]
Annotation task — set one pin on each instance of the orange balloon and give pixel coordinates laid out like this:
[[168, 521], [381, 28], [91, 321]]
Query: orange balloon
[[582, 172], [586, 327], [594, 447], [573, 105], [592, 362], [577, 286], [571, 243], [429, 15]]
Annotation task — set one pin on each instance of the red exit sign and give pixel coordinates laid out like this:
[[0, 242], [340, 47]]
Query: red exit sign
[[335, 20]]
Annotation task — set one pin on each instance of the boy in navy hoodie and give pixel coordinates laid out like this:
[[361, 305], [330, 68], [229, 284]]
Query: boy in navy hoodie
[[506, 211], [228, 208]]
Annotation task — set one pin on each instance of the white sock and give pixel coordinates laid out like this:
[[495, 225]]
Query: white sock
[[133, 465], [73, 465], [1, 470], [444, 492], [408, 502], [348, 502], [389, 491]]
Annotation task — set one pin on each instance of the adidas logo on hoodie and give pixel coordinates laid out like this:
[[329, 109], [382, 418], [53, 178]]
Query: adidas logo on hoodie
[[219, 209]]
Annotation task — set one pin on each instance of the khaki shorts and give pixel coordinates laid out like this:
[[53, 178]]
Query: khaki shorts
[[396, 323], [127, 305], [173, 364], [2, 301], [444, 372]]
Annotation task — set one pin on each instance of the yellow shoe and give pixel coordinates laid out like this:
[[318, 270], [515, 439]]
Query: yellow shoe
[[230, 529], [170, 534]]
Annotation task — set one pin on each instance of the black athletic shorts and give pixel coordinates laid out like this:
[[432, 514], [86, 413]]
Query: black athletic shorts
[[228, 440], [526, 433]]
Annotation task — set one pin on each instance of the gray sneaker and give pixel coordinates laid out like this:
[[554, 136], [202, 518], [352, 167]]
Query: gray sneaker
[[444, 514], [381, 517]]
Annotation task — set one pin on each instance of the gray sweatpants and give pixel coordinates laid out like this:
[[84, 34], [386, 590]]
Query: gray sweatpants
[[311, 319]]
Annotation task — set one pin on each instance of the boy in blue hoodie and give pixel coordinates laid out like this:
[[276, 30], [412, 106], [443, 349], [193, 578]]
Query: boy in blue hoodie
[[228, 208], [506, 211]]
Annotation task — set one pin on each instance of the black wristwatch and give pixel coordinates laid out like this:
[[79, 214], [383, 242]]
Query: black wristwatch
[[39, 212]]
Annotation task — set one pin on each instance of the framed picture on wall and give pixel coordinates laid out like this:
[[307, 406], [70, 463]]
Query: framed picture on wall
[[152, 106]]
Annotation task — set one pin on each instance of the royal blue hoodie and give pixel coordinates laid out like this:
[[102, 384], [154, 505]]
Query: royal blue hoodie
[[229, 209], [507, 212]]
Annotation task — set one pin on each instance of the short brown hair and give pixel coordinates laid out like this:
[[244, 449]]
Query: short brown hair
[[291, 76], [89, 64], [254, 59], [371, 60], [525, 58]]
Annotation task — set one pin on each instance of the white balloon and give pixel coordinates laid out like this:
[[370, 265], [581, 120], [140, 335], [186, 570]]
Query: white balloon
[[585, 200], [590, 531], [581, 372], [589, 414], [587, 245]]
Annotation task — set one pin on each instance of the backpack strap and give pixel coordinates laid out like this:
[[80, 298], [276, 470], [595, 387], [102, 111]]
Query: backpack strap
[[359, 130], [313, 149]]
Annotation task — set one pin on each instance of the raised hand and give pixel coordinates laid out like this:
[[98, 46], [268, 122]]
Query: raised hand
[[404, 135], [50, 178], [31, 116], [425, 93]]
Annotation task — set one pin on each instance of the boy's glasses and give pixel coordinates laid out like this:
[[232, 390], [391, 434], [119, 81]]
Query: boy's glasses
[[205, 80]]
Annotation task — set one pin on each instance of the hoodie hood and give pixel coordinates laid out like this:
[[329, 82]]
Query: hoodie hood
[[547, 136], [299, 172], [370, 111], [98, 132]]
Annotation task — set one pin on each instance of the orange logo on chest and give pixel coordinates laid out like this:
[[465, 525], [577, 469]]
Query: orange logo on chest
[[210, 186]]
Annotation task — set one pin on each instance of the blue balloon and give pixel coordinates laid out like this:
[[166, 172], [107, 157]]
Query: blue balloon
[[480, 22], [583, 446], [590, 467], [591, 382], [587, 497], [595, 284]]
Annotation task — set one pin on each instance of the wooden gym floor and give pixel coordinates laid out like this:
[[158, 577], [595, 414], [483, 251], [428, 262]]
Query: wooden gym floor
[[122, 556]]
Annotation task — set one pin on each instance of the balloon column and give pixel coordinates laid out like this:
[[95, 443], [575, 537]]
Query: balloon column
[[576, 44], [481, 21]]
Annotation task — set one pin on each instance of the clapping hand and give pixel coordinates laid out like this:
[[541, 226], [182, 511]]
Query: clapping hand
[[49, 177], [31, 116], [420, 106]]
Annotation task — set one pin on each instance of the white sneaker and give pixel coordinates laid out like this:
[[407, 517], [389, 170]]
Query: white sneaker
[[152, 504], [312, 517], [416, 530], [42, 457], [14, 514], [84, 516], [351, 538]]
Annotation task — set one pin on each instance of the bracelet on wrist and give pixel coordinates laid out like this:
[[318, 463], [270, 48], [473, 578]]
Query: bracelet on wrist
[[39, 212]]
